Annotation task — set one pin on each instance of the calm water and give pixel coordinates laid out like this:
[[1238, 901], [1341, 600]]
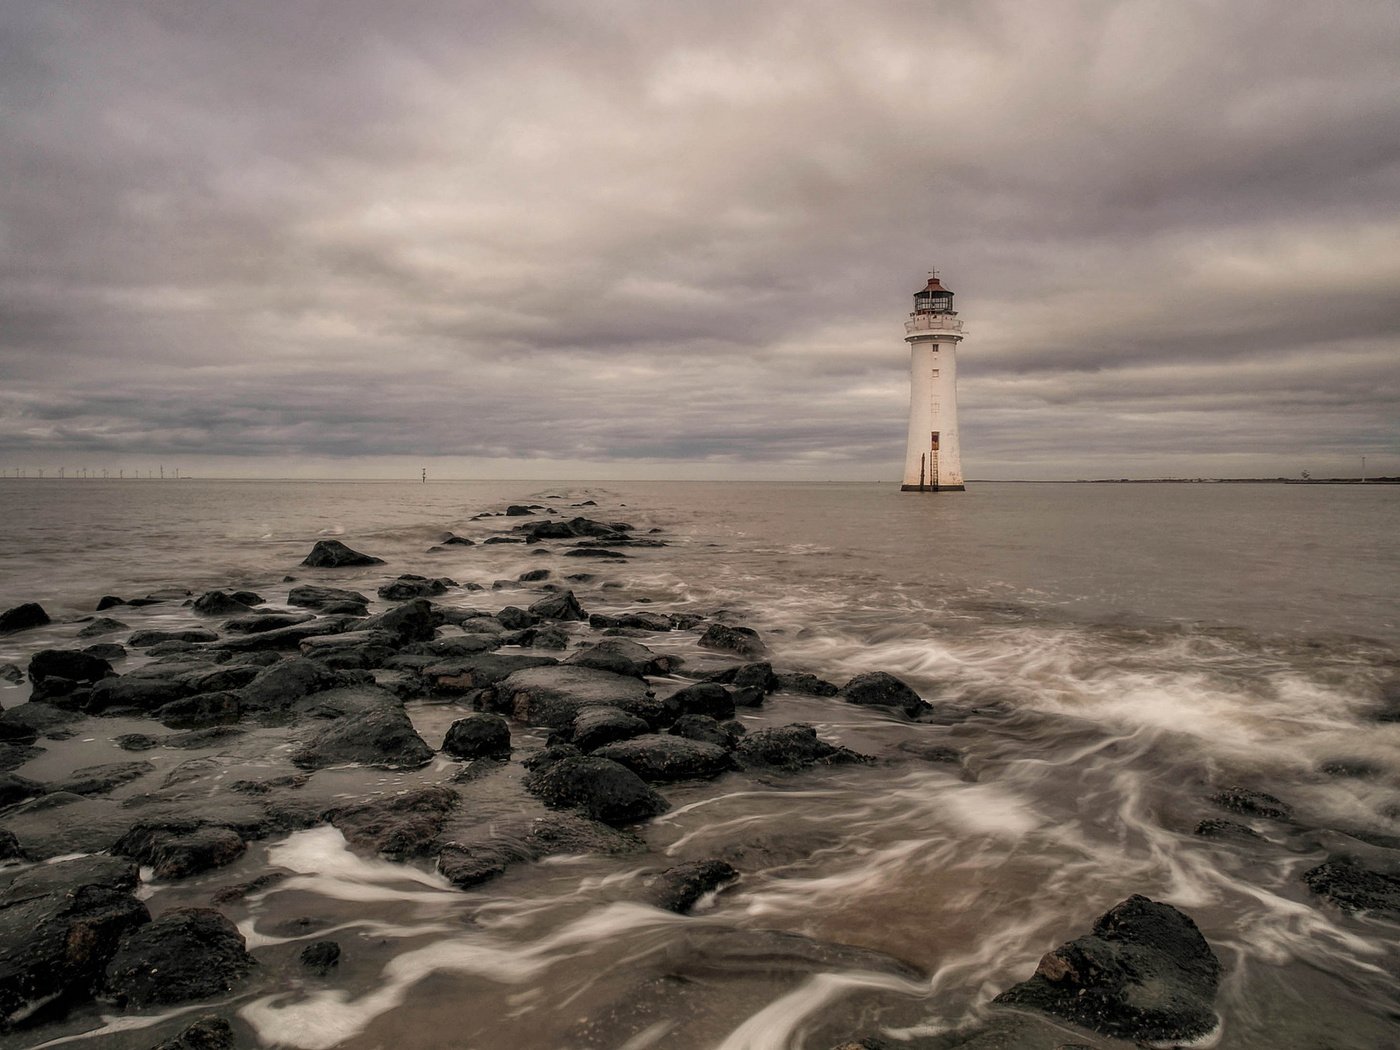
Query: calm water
[[1104, 656]]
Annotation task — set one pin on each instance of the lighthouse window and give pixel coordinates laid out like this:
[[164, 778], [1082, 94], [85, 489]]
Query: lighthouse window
[[935, 373]]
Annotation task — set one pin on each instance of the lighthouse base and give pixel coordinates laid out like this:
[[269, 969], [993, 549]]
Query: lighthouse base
[[932, 488]]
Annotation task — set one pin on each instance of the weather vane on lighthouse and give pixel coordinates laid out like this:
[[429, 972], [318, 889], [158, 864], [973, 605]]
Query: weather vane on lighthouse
[[933, 461]]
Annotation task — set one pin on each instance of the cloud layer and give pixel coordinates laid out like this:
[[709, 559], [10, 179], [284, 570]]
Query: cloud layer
[[616, 238]]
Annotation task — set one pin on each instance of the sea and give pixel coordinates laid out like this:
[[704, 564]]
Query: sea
[[1103, 659]]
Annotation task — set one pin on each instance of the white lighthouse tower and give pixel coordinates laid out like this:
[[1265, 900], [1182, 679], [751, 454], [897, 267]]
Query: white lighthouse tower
[[933, 462]]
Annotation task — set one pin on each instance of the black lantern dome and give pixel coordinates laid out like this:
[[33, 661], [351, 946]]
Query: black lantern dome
[[933, 299]]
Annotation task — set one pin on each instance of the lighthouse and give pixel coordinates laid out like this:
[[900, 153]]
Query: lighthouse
[[933, 462]]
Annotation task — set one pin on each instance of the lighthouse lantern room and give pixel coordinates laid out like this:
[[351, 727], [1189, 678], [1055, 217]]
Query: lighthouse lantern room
[[933, 461]]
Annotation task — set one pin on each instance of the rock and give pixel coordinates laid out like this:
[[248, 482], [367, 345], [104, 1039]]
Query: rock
[[792, 747], [411, 586], [320, 956], [414, 621], [134, 691], [515, 510], [102, 625], [930, 752], [533, 576], [515, 619], [15, 732], [99, 780], [10, 848], [68, 665], [742, 640], [1252, 803], [561, 606], [12, 756], [453, 540], [502, 539], [702, 698], [208, 1033], [11, 673], [604, 790], [506, 843], [595, 726], [309, 596], [758, 676], [277, 687], [544, 638], [641, 621], [1354, 888], [1145, 973], [595, 552], [199, 738], [34, 719], [553, 696], [1227, 829], [186, 954], [221, 603], [59, 925], [201, 711], [136, 742], [332, 554], [382, 736], [680, 888], [606, 659], [15, 788], [262, 622], [107, 601], [480, 735], [704, 728], [109, 651], [23, 618], [146, 639], [284, 638], [178, 849], [662, 759], [401, 825], [455, 677], [879, 689], [807, 684], [573, 528]]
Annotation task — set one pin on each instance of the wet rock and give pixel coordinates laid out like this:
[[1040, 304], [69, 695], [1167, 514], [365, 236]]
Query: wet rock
[[14, 732], [1354, 888], [399, 826], [792, 747], [452, 539], [506, 843], [1354, 768], [595, 552], [561, 606], [704, 728], [515, 510], [142, 692], [186, 954], [136, 742], [222, 603], [108, 601], [99, 780], [534, 576], [216, 679], [10, 848], [662, 759], [201, 711], [605, 791], [13, 756], [757, 676], [102, 625], [200, 738], [208, 1033], [15, 788], [574, 528], [742, 640], [502, 539], [456, 677], [702, 698], [1252, 803], [807, 684], [381, 736], [262, 622], [479, 735], [67, 665], [11, 673], [109, 651], [544, 638], [594, 727], [179, 849], [278, 687], [1215, 828], [513, 618], [929, 752], [147, 639], [59, 925], [320, 957], [332, 554], [414, 621], [411, 586], [553, 696], [38, 718], [285, 638], [23, 618], [602, 658], [641, 621], [680, 888], [1144, 973], [880, 689], [309, 596]]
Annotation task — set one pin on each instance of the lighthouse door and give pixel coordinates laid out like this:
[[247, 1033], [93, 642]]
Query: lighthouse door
[[933, 459]]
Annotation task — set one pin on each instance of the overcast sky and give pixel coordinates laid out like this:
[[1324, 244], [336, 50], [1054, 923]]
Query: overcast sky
[[629, 238]]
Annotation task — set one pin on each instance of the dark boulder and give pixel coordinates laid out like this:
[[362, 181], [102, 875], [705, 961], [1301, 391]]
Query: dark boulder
[[573, 528], [208, 1033], [68, 665], [277, 687], [59, 925], [543, 638], [792, 747], [382, 736], [641, 621], [553, 696], [11, 673], [108, 601], [109, 651], [662, 759], [286, 638], [414, 621], [505, 843], [332, 554], [702, 698], [451, 540], [1354, 888], [603, 790], [880, 689], [479, 735], [758, 676], [515, 510], [606, 659], [10, 848], [15, 788], [201, 711], [23, 618], [221, 603], [807, 684], [99, 780], [513, 618], [1252, 803], [534, 576], [1145, 973], [142, 692], [178, 849], [1214, 828], [595, 726], [742, 640], [703, 727], [595, 552], [310, 596], [459, 676], [186, 954], [411, 586], [680, 888], [262, 622], [320, 957], [147, 639], [102, 625], [399, 825], [561, 606]]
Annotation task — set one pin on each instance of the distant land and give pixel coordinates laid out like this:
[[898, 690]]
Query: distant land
[[1213, 481]]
